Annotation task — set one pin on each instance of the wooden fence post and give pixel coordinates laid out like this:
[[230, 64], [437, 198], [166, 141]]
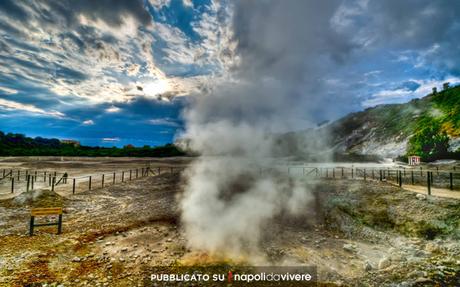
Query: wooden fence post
[[428, 182], [44, 176], [28, 182], [364, 174], [59, 224], [137, 172], [352, 172], [73, 186], [451, 181], [89, 184], [32, 182], [31, 225], [52, 183], [400, 179], [114, 176], [130, 174], [122, 176], [103, 176], [12, 185], [412, 177]]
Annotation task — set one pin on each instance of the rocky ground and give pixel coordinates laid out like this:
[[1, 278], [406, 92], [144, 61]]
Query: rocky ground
[[357, 233]]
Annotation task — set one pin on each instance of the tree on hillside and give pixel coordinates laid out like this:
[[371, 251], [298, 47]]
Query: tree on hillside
[[430, 143]]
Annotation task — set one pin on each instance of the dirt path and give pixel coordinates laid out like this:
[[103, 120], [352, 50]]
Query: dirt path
[[442, 192]]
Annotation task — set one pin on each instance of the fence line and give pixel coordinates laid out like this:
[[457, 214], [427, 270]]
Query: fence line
[[401, 176], [55, 180]]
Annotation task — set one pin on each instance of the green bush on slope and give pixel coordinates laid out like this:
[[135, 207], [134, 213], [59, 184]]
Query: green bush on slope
[[430, 140]]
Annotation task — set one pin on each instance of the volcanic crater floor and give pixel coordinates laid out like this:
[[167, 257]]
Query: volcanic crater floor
[[356, 233]]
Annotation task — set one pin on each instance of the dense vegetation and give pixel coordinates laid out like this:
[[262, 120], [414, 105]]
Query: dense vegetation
[[434, 127], [20, 145]]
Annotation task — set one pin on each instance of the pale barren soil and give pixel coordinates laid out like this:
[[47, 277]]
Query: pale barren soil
[[357, 233]]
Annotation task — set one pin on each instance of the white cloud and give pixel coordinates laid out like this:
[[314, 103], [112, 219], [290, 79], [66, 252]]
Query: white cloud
[[159, 3], [113, 109], [188, 3], [79, 60], [12, 105], [88, 123], [404, 95], [8, 90], [163, 122], [110, 139]]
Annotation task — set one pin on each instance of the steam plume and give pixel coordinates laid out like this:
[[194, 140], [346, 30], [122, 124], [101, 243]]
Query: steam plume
[[228, 200]]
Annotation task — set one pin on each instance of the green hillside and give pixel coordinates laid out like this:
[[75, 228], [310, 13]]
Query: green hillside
[[428, 125]]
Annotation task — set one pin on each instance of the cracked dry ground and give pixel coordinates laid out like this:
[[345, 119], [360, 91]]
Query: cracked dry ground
[[357, 233]]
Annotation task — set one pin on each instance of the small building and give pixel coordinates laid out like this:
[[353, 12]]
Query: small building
[[414, 160], [72, 142]]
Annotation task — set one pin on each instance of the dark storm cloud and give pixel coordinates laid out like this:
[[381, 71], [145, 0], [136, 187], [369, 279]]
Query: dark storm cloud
[[315, 53], [286, 49], [296, 62], [305, 61], [13, 9], [416, 23], [425, 27], [284, 35], [80, 48], [50, 12]]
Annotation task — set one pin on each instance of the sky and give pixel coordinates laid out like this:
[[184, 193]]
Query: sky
[[119, 72]]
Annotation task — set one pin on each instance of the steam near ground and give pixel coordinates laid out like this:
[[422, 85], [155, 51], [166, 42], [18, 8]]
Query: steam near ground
[[228, 200]]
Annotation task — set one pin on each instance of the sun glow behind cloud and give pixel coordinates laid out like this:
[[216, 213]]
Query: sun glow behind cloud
[[130, 60]]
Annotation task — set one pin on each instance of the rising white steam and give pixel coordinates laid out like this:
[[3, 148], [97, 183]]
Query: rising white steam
[[228, 200]]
